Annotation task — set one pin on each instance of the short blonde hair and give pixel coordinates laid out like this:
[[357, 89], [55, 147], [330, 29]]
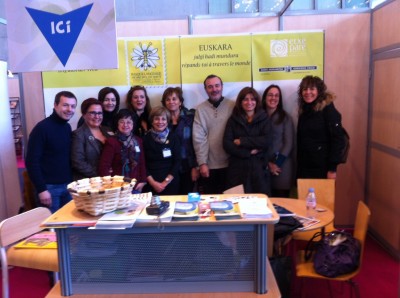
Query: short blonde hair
[[159, 111]]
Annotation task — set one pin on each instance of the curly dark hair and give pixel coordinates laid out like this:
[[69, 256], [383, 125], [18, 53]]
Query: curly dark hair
[[147, 108]]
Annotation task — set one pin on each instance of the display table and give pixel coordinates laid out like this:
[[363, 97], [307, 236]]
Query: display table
[[172, 257], [299, 207]]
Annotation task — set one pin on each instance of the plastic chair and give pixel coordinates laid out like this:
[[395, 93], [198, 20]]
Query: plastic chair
[[306, 268], [325, 192], [17, 228]]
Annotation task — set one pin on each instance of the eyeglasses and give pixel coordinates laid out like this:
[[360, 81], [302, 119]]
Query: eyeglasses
[[125, 122], [94, 114]]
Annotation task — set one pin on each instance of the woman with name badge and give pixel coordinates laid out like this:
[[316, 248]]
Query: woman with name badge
[[162, 154], [123, 154]]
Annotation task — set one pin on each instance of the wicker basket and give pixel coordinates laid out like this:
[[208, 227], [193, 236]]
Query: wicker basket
[[100, 195]]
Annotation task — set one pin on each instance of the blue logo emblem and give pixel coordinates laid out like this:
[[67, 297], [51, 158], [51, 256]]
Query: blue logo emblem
[[61, 31]]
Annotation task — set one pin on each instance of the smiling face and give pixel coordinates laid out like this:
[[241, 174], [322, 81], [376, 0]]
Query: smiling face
[[173, 103], [160, 123], [272, 99], [138, 100], [94, 116], [309, 94], [214, 89], [65, 109], [110, 102], [249, 104], [125, 126]]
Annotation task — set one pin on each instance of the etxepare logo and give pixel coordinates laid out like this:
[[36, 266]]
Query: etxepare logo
[[61, 31], [288, 47]]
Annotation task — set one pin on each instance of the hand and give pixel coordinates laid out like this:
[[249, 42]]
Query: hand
[[236, 142], [195, 173], [140, 186], [254, 151], [274, 169], [331, 175], [45, 198], [158, 186], [204, 171]]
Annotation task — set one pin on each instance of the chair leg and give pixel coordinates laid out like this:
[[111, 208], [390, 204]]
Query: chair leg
[[354, 286], [4, 271]]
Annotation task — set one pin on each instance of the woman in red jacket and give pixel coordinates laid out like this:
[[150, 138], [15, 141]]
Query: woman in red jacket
[[123, 154]]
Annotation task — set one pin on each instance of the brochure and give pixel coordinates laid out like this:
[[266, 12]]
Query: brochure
[[44, 239], [121, 218], [306, 222], [186, 211], [255, 208], [225, 210]]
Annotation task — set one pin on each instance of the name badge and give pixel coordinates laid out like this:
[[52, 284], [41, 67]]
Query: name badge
[[166, 152], [137, 148]]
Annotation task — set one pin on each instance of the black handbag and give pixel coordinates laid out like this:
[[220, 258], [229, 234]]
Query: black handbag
[[335, 254]]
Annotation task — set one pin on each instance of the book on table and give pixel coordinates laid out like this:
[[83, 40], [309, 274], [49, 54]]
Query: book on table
[[186, 211], [306, 222], [225, 209], [254, 207], [45, 239]]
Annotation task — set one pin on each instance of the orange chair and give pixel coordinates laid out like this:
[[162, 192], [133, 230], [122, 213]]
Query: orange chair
[[17, 228], [325, 192], [305, 269]]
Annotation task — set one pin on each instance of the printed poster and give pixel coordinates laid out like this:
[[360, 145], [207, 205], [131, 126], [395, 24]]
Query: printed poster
[[45, 35], [287, 55], [227, 56]]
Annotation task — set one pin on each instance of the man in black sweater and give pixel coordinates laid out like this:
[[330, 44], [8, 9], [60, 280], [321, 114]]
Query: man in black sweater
[[49, 150]]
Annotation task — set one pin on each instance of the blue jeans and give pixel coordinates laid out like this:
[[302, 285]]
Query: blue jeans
[[59, 196]]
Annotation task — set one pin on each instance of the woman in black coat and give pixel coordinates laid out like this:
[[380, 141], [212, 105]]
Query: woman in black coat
[[247, 137], [320, 137]]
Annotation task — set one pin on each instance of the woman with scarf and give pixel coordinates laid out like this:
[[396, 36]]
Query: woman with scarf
[[163, 157], [181, 124], [123, 154]]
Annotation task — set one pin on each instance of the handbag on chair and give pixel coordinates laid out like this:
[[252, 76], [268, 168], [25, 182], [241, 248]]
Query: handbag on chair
[[335, 254]]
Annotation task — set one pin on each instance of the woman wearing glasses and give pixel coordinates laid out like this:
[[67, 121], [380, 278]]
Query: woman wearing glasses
[[123, 154], [88, 140]]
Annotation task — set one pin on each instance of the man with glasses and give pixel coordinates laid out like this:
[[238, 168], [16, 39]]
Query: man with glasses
[[49, 149]]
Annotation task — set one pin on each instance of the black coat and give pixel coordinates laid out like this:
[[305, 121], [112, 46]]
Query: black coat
[[245, 168], [319, 141]]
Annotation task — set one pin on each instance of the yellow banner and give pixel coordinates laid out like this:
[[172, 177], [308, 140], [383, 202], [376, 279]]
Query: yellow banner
[[287, 56], [227, 56], [87, 78], [146, 62]]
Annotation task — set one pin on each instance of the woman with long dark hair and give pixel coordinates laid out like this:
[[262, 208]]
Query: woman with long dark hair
[[138, 102], [247, 138], [280, 152]]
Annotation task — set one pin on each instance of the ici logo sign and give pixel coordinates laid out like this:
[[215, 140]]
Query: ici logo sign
[[60, 27], [61, 31]]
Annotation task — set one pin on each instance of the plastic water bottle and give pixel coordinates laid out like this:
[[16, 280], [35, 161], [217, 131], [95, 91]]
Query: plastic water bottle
[[311, 203]]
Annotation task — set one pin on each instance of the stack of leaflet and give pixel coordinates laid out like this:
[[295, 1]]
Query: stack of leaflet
[[254, 207], [186, 211], [126, 217]]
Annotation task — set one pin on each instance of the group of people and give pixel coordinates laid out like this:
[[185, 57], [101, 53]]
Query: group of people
[[170, 149]]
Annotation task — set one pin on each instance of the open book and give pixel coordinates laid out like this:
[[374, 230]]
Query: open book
[[306, 221]]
